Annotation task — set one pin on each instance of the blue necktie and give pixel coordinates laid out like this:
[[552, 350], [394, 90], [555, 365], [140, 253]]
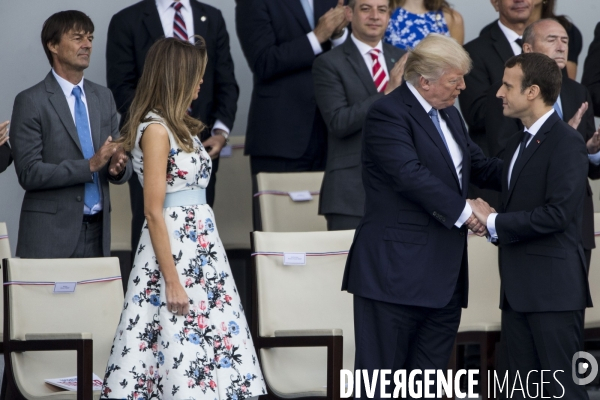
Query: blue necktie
[[309, 13], [558, 110], [92, 192], [433, 113]]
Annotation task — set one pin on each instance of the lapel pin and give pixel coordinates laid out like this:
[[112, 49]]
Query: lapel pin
[[538, 141], [203, 18], [393, 60]]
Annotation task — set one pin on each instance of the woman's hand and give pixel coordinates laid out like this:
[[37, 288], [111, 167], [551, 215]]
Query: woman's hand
[[177, 299]]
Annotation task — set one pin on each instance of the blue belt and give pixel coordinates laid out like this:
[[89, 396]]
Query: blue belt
[[185, 198]]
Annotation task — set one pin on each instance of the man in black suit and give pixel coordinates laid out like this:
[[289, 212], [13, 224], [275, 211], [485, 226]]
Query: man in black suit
[[549, 37], [591, 70], [542, 265], [407, 266], [131, 33], [346, 84], [280, 40], [5, 153], [497, 42]]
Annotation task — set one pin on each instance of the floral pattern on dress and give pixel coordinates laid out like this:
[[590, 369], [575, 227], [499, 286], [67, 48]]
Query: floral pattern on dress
[[202, 355], [405, 29]]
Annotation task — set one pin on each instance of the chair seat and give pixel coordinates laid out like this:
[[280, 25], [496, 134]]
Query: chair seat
[[480, 327], [591, 324]]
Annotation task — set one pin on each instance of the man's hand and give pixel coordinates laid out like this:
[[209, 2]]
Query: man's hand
[[214, 144], [396, 74], [4, 132], [574, 122], [593, 145], [104, 153], [330, 23], [476, 226], [481, 209], [118, 162]]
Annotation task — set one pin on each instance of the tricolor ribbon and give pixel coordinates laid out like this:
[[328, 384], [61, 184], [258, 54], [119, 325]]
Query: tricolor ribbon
[[280, 193], [85, 282], [278, 253], [3, 237]]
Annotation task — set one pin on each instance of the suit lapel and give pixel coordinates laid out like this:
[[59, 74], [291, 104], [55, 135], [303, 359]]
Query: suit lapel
[[152, 21], [93, 104], [501, 44], [298, 12], [566, 101], [59, 102], [200, 26], [356, 60], [423, 119], [390, 61]]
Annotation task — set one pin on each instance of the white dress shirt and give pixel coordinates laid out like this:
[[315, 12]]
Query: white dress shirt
[[511, 36], [455, 151], [533, 130], [67, 88], [312, 38], [167, 15], [365, 51]]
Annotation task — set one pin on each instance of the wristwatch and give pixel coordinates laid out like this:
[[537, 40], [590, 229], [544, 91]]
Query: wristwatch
[[221, 132]]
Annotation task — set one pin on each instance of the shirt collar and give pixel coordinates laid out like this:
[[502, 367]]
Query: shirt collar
[[511, 35], [420, 98], [538, 124], [66, 86], [164, 5], [364, 48]]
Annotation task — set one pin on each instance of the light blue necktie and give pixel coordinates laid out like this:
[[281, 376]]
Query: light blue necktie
[[92, 192], [558, 110], [433, 113], [309, 13]]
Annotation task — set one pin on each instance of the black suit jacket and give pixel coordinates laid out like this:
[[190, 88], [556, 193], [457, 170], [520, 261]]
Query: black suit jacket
[[500, 129], [5, 157], [406, 249], [542, 265], [489, 52], [282, 110], [131, 33], [591, 70]]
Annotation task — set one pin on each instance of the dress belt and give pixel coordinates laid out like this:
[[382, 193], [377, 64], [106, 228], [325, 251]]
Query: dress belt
[[185, 198]]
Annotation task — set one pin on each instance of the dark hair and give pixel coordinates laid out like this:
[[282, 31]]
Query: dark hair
[[430, 5], [548, 12], [541, 70], [62, 22]]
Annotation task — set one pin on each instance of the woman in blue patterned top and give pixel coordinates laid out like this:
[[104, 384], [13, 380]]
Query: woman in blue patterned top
[[412, 20]]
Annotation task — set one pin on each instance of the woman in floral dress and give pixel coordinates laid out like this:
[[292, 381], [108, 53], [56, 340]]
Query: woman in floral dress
[[183, 333]]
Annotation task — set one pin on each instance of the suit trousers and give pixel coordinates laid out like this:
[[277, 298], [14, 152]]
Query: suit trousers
[[89, 244], [536, 341], [395, 336]]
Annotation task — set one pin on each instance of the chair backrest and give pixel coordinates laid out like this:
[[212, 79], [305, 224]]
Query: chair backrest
[[483, 313], [4, 253], [300, 297], [279, 213], [233, 204], [592, 315], [92, 308]]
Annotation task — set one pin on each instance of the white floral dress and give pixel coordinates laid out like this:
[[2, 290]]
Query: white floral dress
[[206, 354]]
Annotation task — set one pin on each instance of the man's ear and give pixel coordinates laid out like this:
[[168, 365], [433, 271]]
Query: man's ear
[[533, 92], [424, 83], [527, 48]]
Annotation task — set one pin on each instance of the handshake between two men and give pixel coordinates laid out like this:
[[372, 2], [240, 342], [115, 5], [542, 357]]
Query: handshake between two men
[[477, 222]]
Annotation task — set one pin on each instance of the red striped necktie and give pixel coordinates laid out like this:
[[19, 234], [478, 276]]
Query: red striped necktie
[[179, 29], [379, 76]]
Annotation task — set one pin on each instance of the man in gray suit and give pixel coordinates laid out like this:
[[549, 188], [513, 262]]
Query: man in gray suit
[[348, 79], [62, 134]]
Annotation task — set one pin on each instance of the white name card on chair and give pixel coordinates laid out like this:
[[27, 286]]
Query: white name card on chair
[[64, 287], [294, 258], [303, 195]]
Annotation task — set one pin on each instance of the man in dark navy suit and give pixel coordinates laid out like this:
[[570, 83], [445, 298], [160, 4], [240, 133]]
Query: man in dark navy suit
[[407, 267]]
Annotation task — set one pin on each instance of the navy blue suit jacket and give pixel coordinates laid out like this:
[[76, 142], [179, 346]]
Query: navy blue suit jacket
[[406, 249], [283, 108]]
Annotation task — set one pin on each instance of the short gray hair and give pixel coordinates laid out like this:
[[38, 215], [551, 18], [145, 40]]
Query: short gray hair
[[433, 56]]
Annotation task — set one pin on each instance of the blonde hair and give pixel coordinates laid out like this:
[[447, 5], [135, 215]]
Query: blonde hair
[[433, 56], [172, 72]]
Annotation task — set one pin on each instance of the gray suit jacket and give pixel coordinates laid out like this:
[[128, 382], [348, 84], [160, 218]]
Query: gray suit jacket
[[51, 167], [344, 91]]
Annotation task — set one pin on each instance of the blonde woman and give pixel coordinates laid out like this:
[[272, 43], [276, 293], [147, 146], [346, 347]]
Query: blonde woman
[[413, 20], [182, 333]]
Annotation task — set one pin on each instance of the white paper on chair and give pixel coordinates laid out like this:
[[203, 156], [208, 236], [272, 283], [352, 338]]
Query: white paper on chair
[[70, 383], [303, 195], [294, 258]]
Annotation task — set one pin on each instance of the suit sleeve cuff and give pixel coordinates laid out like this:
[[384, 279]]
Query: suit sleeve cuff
[[219, 125], [340, 40], [594, 158], [314, 42], [464, 216], [491, 226]]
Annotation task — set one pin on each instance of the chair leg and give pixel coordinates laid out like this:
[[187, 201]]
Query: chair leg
[[487, 351], [335, 362], [85, 370], [453, 365]]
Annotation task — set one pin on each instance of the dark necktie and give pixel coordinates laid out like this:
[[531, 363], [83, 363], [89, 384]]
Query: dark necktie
[[524, 140], [519, 41], [179, 29]]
